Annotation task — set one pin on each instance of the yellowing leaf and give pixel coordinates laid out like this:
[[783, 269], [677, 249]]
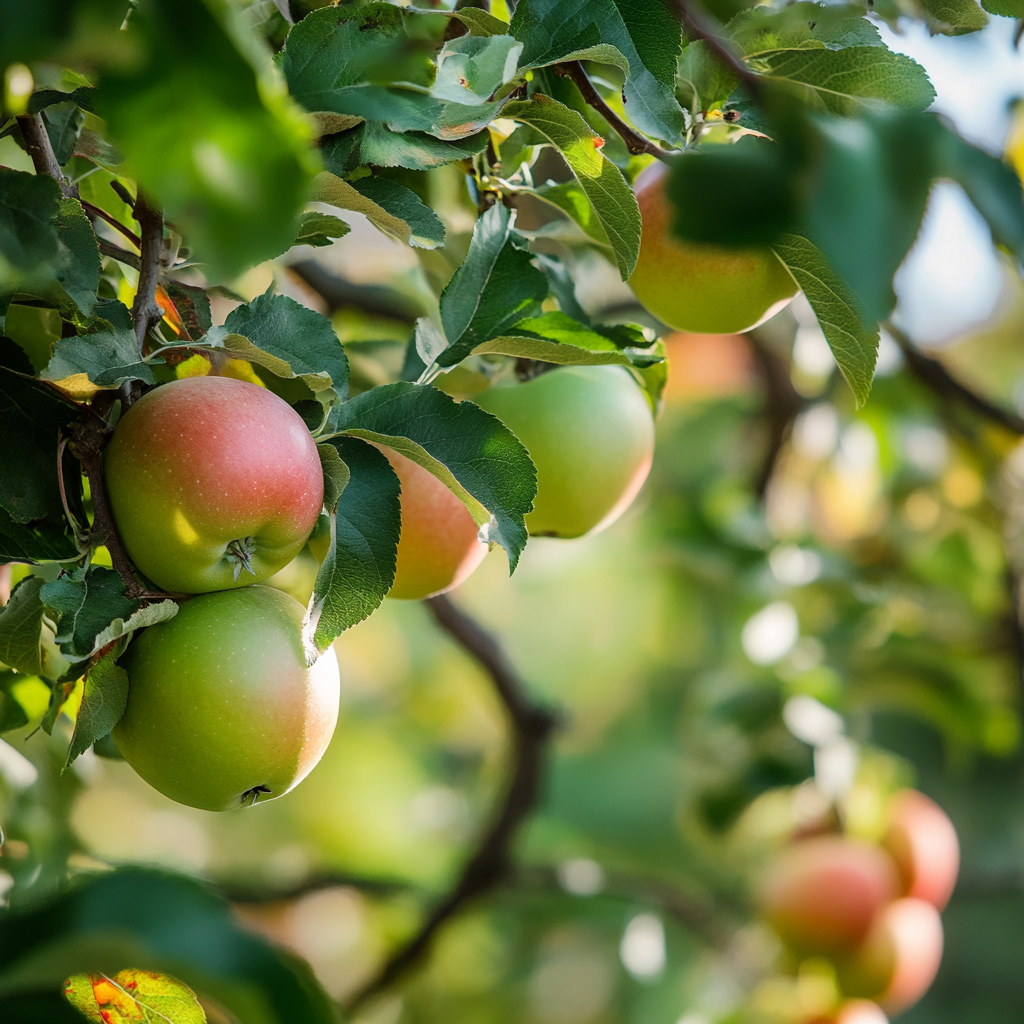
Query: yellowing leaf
[[133, 995]]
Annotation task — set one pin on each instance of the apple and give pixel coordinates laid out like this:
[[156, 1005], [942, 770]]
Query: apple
[[214, 483], [900, 957], [822, 895], [590, 433], [692, 286], [222, 709], [923, 842], [439, 545], [855, 1011]]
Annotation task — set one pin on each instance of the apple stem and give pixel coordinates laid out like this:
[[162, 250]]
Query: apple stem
[[491, 862]]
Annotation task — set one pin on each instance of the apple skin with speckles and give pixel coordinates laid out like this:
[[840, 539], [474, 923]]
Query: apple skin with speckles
[[706, 289], [223, 711], [214, 483]]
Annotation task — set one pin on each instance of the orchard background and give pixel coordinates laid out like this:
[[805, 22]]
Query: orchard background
[[550, 798]]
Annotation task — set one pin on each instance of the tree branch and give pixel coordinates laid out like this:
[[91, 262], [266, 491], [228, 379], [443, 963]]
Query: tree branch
[[44, 160], [697, 27], [145, 310], [492, 860], [119, 254], [782, 405], [113, 222], [339, 293], [935, 376], [635, 142]]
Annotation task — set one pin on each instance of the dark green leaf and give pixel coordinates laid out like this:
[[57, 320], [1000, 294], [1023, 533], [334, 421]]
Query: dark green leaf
[[12, 714], [63, 123], [31, 418], [642, 34], [79, 262], [188, 115], [1005, 8], [375, 144], [21, 629], [193, 306], [153, 921], [393, 208], [320, 229], [469, 450], [612, 198], [854, 345], [360, 565], [41, 99], [336, 475], [29, 204], [495, 286], [41, 541], [107, 356], [104, 699]]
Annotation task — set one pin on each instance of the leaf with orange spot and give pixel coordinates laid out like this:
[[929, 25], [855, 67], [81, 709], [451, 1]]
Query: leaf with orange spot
[[147, 997]]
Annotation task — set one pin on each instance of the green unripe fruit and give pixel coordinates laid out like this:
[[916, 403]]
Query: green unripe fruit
[[222, 708], [590, 433], [707, 289]]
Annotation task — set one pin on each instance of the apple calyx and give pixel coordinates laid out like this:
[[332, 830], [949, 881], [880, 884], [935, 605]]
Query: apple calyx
[[240, 552], [254, 794]]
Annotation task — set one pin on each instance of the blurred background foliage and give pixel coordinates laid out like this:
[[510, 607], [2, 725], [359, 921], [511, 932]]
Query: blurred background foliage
[[786, 546]]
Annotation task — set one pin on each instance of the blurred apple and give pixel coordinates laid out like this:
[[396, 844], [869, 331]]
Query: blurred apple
[[822, 894], [923, 842]]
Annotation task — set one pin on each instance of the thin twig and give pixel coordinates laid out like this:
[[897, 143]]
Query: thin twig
[[492, 860], [339, 293], [782, 405], [635, 142], [96, 211], [935, 376], [146, 312], [697, 27], [119, 254], [44, 160]]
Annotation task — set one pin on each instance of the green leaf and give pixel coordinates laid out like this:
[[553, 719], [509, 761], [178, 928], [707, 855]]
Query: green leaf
[[377, 145], [360, 564], [79, 261], [479, 23], [469, 450], [12, 714], [91, 611], [336, 59], [203, 126], [394, 209], [495, 286], [29, 204], [955, 17], [320, 229], [642, 34], [106, 357], [147, 997], [104, 698], [336, 475], [470, 69], [558, 338], [64, 123], [704, 81], [1005, 8], [569, 197], [37, 542], [31, 419], [854, 79], [837, 309], [761, 31], [276, 332], [613, 200], [21, 629], [152, 921]]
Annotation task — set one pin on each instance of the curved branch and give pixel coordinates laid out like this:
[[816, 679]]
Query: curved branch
[[40, 149], [935, 376], [96, 211], [635, 142], [492, 860]]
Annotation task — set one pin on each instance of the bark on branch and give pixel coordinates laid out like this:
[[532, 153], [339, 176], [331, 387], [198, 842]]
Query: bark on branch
[[145, 310], [491, 862], [44, 160]]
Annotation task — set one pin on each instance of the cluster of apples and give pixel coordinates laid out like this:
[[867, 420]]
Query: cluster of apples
[[871, 909], [215, 484]]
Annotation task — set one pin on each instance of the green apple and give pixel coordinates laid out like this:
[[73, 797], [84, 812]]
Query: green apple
[[707, 289], [590, 433], [223, 710], [439, 546], [214, 483]]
